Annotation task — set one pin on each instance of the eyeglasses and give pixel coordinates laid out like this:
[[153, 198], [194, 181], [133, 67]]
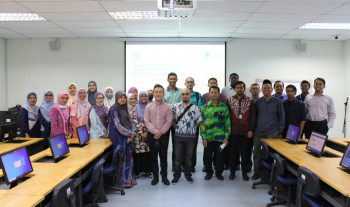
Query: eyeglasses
[[185, 94], [100, 98], [191, 82], [48, 95]]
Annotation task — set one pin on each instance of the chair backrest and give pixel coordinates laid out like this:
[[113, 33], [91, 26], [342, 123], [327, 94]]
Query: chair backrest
[[63, 194], [265, 152], [310, 182], [116, 155], [97, 171], [280, 168]]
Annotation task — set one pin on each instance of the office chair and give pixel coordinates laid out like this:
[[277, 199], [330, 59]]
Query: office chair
[[63, 194], [267, 161], [286, 178], [111, 170], [309, 189]]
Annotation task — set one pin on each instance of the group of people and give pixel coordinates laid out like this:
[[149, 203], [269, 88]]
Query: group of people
[[230, 123]]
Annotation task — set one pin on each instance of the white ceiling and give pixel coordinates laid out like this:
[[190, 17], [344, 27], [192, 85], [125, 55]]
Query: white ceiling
[[257, 19]]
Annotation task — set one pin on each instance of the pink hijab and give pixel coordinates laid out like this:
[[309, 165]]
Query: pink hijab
[[63, 112], [81, 111], [131, 90]]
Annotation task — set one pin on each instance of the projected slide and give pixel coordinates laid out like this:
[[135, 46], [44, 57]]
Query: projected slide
[[148, 63]]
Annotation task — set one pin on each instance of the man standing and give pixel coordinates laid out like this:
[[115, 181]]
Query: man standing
[[172, 96], [229, 91], [269, 122], [255, 91], [242, 111], [279, 87], [294, 111], [206, 98], [186, 119], [158, 118], [319, 109], [195, 99], [304, 86], [215, 131]]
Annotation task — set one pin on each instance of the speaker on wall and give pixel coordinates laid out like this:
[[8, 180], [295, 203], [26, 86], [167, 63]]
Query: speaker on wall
[[54, 45], [301, 47]]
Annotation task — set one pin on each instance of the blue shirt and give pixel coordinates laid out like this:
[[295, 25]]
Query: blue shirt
[[172, 97], [282, 98], [270, 116], [193, 99], [294, 112]]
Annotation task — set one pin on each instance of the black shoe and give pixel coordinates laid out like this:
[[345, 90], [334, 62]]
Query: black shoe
[[232, 175], [203, 169], [226, 167], [193, 169], [256, 176], [165, 181], [174, 181], [220, 177], [155, 180], [245, 176], [208, 177], [249, 169], [238, 167], [189, 180]]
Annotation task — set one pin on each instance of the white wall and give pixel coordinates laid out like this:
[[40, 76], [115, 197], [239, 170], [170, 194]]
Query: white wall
[[347, 82], [279, 59], [32, 66], [2, 74]]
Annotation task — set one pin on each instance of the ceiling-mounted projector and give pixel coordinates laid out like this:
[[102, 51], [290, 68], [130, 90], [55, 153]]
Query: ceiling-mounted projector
[[177, 8]]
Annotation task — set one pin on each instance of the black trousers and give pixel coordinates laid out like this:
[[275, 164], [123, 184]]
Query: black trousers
[[163, 153], [208, 158], [172, 130], [184, 148], [250, 153], [195, 148], [142, 162], [239, 147], [317, 126]]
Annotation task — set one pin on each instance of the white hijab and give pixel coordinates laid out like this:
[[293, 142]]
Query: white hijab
[[109, 102], [130, 107], [71, 98]]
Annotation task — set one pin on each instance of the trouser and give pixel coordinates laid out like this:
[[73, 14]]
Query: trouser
[[195, 148], [257, 147], [239, 147], [172, 130], [250, 149], [208, 158], [317, 126], [163, 153], [184, 148]]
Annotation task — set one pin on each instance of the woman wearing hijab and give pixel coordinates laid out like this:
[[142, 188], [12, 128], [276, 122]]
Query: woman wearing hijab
[[141, 153], [80, 111], [98, 117], [44, 115], [59, 116], [91, 92], [121, 132], [134, 91], [108, 102], [72, 91], [28, 117], [131, 99]]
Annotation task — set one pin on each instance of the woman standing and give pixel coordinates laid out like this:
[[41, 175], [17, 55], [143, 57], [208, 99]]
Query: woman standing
[[28, 117], [109, 97], [80, 111], [131, 99], [98, 117], [121, 132], [91, 92], [72, 91], [134, 91], [59, 116], [44, 116], [142, 157]]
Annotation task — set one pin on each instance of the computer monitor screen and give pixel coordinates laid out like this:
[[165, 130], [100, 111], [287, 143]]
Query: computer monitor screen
[[15, 165], [8, 131], [345, 161], [292, 133], [58, 146], [83, 135], [316, 143]]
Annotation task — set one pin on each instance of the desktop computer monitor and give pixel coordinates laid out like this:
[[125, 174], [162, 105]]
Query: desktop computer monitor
[[83, 135], [15, 165], [345, 160], [8, 131], [292, 133], [7, 117], [58, 146], [317, 142]]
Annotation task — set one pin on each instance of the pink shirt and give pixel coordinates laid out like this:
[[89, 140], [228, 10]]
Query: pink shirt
[[158, 117]]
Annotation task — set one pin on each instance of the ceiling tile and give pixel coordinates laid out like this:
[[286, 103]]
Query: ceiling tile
[[6, 31], [220, 16], [312, 1], [262, 31], [148, 23], [342, 10], [151, 34], [39, 24], [117, 6], [333, 19], [77, 16], [303, 37], [272, 25], [151, 29], [207, 29], [67, 6], [255, 36], [228, 6], [199, 23], [40, 30], [100, 35], [94, 30], [297, 8], [318, 31], [213, 34], [283, 17], [12, 7], [12, 36], [86, 23], [51, 35]]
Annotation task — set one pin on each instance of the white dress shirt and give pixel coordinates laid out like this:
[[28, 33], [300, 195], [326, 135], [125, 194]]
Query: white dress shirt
[[228, 91]]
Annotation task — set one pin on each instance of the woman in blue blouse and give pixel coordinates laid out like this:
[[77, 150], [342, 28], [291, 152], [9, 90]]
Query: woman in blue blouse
[[44, 116], [98, 118]]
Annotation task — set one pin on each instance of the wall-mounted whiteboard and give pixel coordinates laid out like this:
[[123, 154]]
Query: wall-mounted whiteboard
[[295, 82]]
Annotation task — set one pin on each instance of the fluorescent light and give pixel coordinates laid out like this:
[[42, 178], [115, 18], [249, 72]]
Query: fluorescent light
[[20, 17], [137, 15], [326, 26]]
